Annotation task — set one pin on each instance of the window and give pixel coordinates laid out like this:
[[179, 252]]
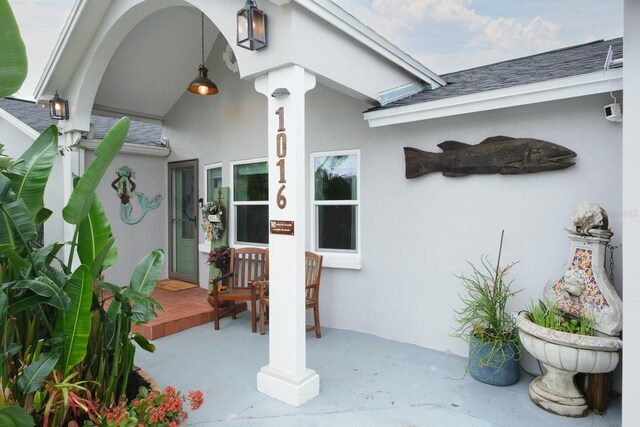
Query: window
[[336, 195], [251, 202], [213, 180]]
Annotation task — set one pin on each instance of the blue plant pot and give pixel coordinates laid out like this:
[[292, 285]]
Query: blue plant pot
[[499, 369]]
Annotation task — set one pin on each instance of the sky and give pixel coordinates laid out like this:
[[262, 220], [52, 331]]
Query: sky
[[445, 35]]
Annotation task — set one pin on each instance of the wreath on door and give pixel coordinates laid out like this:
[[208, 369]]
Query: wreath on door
[[213, 220]]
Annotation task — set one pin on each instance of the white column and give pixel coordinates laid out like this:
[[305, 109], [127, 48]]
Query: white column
[[72, 164], [631, 210], [286, 377]]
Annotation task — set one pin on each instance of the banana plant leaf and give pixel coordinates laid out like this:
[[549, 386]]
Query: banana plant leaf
[[144, 343], [5, 186], [13, 55], [45, 287], [94, 233], [82, 196], [44, 256], [145, 275], [141, 314], [54, 274], [24, 302], [17, 226], [43, 215], [29, 177], [11, 350], [35, 374], [100, 263], [16, 260], [75, 323], [4, 306], [15, 416]]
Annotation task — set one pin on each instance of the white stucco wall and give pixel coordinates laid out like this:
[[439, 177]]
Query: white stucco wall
[[135, 241], [226, 127], [631, 178], [416, 234], [16, 140]]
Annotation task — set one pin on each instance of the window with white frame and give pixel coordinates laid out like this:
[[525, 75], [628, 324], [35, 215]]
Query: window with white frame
[[251, 202], [336, 201], [212, 180]]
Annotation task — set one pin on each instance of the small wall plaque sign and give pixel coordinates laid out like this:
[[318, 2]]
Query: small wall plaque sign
[[281, 227]]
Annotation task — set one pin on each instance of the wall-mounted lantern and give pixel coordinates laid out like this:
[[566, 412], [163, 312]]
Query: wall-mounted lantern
[[252, 27], [58, 108]]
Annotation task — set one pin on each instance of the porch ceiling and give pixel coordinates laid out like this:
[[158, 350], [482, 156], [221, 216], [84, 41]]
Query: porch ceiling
[[154, 64]]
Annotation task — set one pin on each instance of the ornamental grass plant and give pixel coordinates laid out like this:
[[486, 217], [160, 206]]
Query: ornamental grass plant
[[484, 314]]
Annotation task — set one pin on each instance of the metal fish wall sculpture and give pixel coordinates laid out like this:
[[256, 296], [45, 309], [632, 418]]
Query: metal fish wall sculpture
[[497, 154]]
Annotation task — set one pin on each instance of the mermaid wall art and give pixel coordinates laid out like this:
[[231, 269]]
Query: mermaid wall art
[[125, 187]]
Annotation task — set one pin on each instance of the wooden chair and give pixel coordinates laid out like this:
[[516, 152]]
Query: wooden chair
[[246, 266], [313, 268]]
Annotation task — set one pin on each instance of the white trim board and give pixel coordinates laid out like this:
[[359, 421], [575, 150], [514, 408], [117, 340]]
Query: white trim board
[[19, 124], [551, 90], [128, 148], [350, 25]]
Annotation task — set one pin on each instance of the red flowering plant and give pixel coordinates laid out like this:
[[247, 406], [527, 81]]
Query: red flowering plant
[[220, 258], [151, 409]]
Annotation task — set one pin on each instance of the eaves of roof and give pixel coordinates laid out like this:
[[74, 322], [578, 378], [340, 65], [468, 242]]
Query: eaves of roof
[[35, 117], [349, 24], [563, 73]]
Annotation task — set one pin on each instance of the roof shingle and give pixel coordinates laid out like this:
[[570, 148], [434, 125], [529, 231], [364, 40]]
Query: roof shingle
[[37, 117], [556, 64]]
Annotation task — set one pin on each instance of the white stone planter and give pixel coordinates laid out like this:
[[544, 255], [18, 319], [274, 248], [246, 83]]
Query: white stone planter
[[564, 355]]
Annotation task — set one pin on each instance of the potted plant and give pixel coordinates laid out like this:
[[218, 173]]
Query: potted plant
[[220, 259], [486, 325], [549, 316]]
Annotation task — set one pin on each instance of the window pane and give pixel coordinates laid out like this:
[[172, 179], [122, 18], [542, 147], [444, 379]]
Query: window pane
[[252, 223], [214, 180], [335, 177], [337, 227], [186, 202], [250, 182]]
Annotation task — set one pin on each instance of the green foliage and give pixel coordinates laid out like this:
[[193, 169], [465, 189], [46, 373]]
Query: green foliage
[[35, 374], [94, 234], [13, 55], [53, 313], [81, 199], [549, 316], [144, 277], [484, 313], [15, 416], [29, 176], [75, 322]]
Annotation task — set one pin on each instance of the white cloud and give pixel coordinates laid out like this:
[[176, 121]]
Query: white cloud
[[490, 39], [512, 36]]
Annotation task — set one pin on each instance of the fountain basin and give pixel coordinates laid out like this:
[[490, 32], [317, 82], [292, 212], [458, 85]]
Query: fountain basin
[[563, 355]]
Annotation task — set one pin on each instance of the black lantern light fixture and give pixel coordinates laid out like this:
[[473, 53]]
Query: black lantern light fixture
[[58, 108], [201, 85], [252, 27]]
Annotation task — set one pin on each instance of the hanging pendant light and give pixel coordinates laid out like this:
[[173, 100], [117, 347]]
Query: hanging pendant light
[[252, 27], [201, 85]]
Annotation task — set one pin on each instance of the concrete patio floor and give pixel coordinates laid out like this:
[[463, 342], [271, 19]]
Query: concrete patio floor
[[364, 381]]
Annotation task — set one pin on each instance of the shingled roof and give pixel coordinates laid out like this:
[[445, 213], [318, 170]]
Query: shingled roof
[[567, 62], [37, 117]]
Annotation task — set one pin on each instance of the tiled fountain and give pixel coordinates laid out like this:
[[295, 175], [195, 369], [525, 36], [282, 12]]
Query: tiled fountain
[[582, 288]]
